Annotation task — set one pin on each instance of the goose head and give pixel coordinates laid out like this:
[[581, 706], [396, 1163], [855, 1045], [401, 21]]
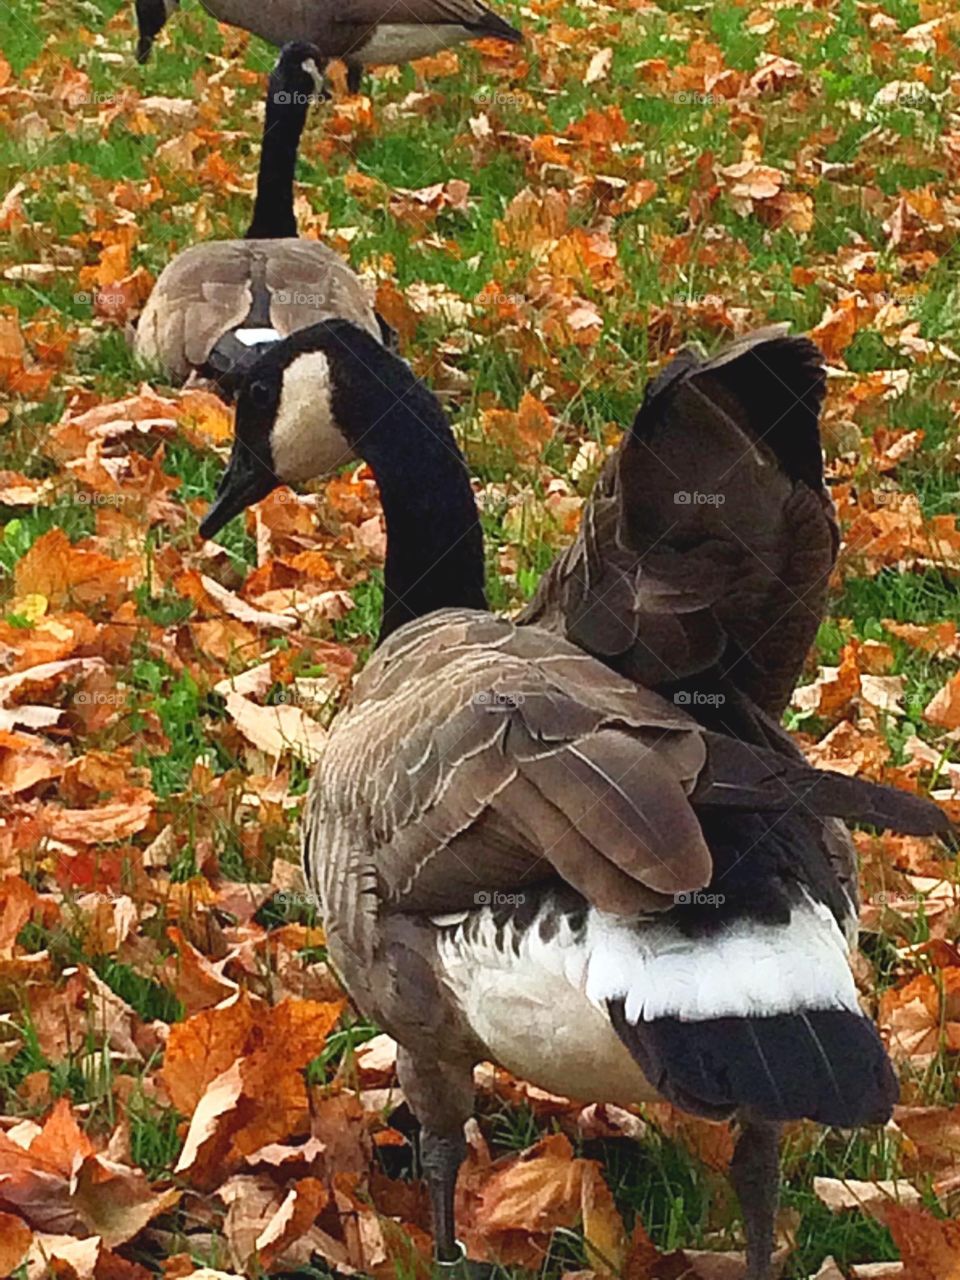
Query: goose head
[[297, 76], [298, 411]]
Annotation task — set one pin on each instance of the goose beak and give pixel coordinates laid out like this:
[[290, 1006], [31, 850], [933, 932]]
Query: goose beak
[[246, 481]]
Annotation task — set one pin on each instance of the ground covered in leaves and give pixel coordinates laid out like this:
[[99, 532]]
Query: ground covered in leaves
[[181, 1084]]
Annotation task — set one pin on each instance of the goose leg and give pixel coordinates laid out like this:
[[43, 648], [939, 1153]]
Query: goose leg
[[440, 1094], [755, 1174], [354, 76], [441, 1156]]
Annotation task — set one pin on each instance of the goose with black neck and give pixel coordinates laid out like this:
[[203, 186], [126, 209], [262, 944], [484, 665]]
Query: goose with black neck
[[360, 32], [217, 306], [525, 858]]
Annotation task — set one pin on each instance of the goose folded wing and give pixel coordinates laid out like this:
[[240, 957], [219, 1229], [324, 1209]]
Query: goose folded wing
[[515, 783], [203, 293], [464, 13], [306, 283]]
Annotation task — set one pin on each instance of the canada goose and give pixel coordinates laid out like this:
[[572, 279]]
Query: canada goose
[[217, 305], [360, 32], [705, 549], [524, 857], [707, 544]]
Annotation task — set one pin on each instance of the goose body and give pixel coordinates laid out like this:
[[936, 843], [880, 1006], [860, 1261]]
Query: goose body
[[602, 897], [361, 32], [217, 306], [524, 856]]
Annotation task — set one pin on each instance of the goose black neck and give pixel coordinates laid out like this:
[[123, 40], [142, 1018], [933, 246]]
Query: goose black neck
[[434, 539], [286, 114]]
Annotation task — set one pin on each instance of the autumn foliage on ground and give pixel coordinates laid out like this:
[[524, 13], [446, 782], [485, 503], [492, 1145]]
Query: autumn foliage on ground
[[183, 1087]]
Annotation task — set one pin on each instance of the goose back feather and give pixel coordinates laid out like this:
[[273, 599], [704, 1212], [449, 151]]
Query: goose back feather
[[265, 288]]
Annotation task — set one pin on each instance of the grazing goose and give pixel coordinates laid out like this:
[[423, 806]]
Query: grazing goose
[[525, 857], [360, 32], [217, 305]]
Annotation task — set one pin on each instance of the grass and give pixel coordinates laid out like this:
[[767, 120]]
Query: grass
[[72, 179]]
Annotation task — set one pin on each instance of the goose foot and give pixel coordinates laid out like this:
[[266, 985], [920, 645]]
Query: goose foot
[[755, 1174], [441, 1156]]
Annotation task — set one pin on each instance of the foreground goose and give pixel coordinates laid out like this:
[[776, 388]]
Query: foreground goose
[[704, 552], [360, 32], [217, 305], [524, 857]]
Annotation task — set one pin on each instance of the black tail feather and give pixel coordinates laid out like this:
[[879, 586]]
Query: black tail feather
[[743, 776], [827, 1065]]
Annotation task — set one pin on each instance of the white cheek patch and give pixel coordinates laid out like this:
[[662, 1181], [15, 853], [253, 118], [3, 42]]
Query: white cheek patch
[[253, 337], [313, 71], [306, 441]]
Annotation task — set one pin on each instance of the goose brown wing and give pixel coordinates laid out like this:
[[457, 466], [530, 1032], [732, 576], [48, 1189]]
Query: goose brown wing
[[465, 13], [307, 282], [480, 758], [202, 294]]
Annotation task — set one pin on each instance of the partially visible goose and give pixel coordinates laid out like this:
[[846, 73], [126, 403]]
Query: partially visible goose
[[217, 305], [360, 32], [523, 857], [706, 547]]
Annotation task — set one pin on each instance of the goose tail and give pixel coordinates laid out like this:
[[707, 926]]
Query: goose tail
[[827, 1065], [746, 1009]]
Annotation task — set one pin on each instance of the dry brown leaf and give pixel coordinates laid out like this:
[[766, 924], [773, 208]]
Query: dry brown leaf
[[873, 1198], [944, 707], [277, 730], [15, 1239], [930, 1248]]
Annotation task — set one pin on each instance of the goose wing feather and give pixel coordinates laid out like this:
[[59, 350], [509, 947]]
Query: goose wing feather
[[478, 756]]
